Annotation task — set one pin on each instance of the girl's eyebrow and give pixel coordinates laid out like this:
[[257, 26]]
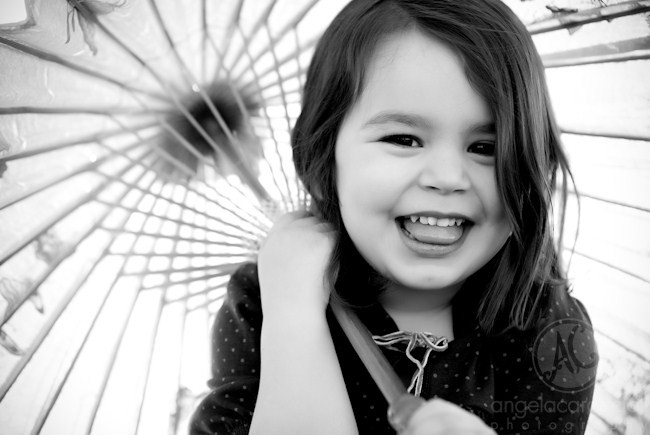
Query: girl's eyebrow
[[408, 119], [487, 128], [417, 121]]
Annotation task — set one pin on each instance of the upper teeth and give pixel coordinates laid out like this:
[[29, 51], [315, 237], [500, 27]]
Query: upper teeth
[[441, 222]]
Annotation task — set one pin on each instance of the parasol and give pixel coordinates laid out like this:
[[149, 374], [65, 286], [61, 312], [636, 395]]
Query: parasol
[[144, 153]]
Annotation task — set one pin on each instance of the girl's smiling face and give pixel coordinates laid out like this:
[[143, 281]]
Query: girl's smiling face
[[415, 168]]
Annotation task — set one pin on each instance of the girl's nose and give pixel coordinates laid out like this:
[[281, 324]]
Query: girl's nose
[[444, 169]]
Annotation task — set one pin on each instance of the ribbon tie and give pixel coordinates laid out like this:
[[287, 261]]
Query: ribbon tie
[[425, 340]]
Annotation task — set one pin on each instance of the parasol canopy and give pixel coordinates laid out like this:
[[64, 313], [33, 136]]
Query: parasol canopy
[[144, 154]]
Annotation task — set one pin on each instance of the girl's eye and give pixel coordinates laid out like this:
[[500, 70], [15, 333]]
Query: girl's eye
[[485, 148], [402, 140]]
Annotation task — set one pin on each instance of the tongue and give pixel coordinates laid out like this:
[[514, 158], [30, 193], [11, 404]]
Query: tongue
[[432, 233]]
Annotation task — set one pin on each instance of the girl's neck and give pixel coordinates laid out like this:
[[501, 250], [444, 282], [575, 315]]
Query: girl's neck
[[420, 310]]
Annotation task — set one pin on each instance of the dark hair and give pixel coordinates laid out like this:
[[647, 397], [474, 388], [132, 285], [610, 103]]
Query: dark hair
[[502, 64]]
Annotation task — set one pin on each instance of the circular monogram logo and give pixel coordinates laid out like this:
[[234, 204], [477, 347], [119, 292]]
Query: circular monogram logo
[[564, 355]]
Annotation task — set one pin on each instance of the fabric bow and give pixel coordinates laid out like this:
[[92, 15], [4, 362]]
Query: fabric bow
[[414, 339]]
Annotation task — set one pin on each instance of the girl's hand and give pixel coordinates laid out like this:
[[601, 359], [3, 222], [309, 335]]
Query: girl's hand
[[438, 416], [302, 390], [292, 264]]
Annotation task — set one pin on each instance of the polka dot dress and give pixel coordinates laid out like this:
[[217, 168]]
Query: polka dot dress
[[502, 380]]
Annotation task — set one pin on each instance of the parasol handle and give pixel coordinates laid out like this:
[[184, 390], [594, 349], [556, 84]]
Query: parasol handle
[[401, 404]]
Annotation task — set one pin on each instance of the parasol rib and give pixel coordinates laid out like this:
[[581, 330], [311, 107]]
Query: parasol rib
[[604, 133], [154, 336], [88, 425], [252, 220], [52, 265], [247, 116], [273, 136], [302, 193], [609, 201], [53, 58], [53, 317], [227, 268], [207, 256], [283, 61], [170, 200], [254, 29], [88, 15], [181, 222], [572, 251], [201, 293], [54, 394], [104, 111], [205, 304], [93, 138], [237, 95], [284, 104], [169, 282], [60, 215], [84, 168], [227, 41], [590, 16], [207, 229], [191, 149], [230, 148], [176, 238]]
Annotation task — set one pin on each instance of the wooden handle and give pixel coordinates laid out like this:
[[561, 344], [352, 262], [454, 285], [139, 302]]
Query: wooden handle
[[401, 404]]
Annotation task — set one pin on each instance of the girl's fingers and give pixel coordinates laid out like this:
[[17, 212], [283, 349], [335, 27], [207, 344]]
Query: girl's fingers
[[302, 219], [293, 264], [288, 218], [438, 416]]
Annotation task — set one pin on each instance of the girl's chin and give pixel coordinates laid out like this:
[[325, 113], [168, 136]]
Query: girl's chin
[[427, 282]]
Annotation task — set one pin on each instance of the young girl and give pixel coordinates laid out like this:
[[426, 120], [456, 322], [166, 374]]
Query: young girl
[[428, 145]]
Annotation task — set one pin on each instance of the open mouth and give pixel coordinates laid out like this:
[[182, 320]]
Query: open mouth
[[432, 230]]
